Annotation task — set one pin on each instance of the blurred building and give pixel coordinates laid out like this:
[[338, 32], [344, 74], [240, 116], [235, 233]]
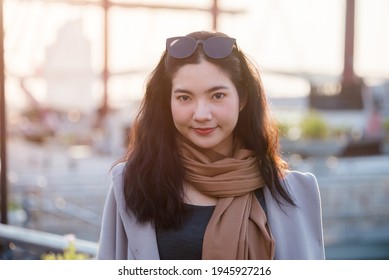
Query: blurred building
[[68, 70]]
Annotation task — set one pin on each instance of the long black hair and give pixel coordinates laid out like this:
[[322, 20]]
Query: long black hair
[[154, 174]]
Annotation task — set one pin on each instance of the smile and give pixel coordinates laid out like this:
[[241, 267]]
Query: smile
[[205, 130]]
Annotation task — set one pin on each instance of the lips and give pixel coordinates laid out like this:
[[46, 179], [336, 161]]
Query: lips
[[204, 130]]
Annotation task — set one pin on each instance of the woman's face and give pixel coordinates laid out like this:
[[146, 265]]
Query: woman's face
[[205, 106]]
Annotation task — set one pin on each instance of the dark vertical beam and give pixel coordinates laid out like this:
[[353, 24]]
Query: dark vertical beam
[[215, 14], [3, 127], [348, 67], [104, 109]]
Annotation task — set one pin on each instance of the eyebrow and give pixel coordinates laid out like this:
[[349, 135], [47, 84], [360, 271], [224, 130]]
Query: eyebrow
[[212, 89]]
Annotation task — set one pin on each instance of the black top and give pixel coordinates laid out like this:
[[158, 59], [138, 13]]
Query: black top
[[186, 242]]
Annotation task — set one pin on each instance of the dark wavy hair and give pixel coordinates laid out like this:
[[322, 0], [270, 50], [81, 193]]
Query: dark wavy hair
[[153, 175]]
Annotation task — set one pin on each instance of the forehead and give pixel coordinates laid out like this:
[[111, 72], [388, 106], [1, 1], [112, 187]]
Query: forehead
[[201, 73], [199, 79]]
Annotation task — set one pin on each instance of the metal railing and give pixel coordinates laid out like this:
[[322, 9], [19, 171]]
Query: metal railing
[[41, 242]]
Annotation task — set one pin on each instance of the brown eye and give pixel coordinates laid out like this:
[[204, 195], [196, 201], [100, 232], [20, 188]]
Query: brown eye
[[218, 95], [183, 98]]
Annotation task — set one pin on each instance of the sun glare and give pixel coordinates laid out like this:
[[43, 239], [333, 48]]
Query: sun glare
[[297, 36]]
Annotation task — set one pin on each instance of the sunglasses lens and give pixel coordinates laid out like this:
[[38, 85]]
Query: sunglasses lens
[[181, 47], [214, 47], [218, 47]]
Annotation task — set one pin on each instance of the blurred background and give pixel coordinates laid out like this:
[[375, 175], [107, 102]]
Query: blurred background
[[73, 74]]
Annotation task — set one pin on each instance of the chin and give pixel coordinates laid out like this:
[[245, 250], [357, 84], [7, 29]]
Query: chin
[[203, 145]]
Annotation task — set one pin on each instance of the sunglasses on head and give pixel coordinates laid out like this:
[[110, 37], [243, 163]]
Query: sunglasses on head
[[214, 47]]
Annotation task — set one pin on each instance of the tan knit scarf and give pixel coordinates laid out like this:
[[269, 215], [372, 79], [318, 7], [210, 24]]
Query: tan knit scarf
[[238, 228]]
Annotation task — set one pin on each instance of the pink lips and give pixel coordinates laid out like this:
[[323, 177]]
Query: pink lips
[[204, 131]]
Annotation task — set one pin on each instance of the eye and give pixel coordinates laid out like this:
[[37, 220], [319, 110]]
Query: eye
[[183, 98], [218, 95]]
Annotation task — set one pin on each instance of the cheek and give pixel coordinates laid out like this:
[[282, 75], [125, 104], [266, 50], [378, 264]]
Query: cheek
[[231, 111], [180, 115]]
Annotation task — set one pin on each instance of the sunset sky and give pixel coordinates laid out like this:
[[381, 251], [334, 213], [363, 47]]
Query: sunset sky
[[299, 35]]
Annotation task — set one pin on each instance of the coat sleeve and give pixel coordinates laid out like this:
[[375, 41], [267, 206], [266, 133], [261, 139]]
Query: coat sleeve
[[297, 230], [113, 243], [122, 237]]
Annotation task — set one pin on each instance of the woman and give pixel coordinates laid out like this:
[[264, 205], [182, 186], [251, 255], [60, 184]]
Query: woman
[[203, 177]]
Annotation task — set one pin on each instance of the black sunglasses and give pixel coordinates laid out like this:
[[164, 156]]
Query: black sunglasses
[[214, 47]]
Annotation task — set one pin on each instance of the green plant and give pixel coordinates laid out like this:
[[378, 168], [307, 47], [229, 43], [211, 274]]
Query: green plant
[[69, 253], [12, 206], [313, 126], [283, 128], [385, 124]]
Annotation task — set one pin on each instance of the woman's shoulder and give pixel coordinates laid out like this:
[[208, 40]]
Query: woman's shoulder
[[303, 238], [117, 172], [118, 168], [303, 178], [302, 184]]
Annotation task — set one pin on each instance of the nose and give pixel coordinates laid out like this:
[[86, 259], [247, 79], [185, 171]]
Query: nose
[[202, 112]]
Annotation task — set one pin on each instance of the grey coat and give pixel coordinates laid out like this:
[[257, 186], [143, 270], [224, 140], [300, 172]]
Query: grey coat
[[297, 231]]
